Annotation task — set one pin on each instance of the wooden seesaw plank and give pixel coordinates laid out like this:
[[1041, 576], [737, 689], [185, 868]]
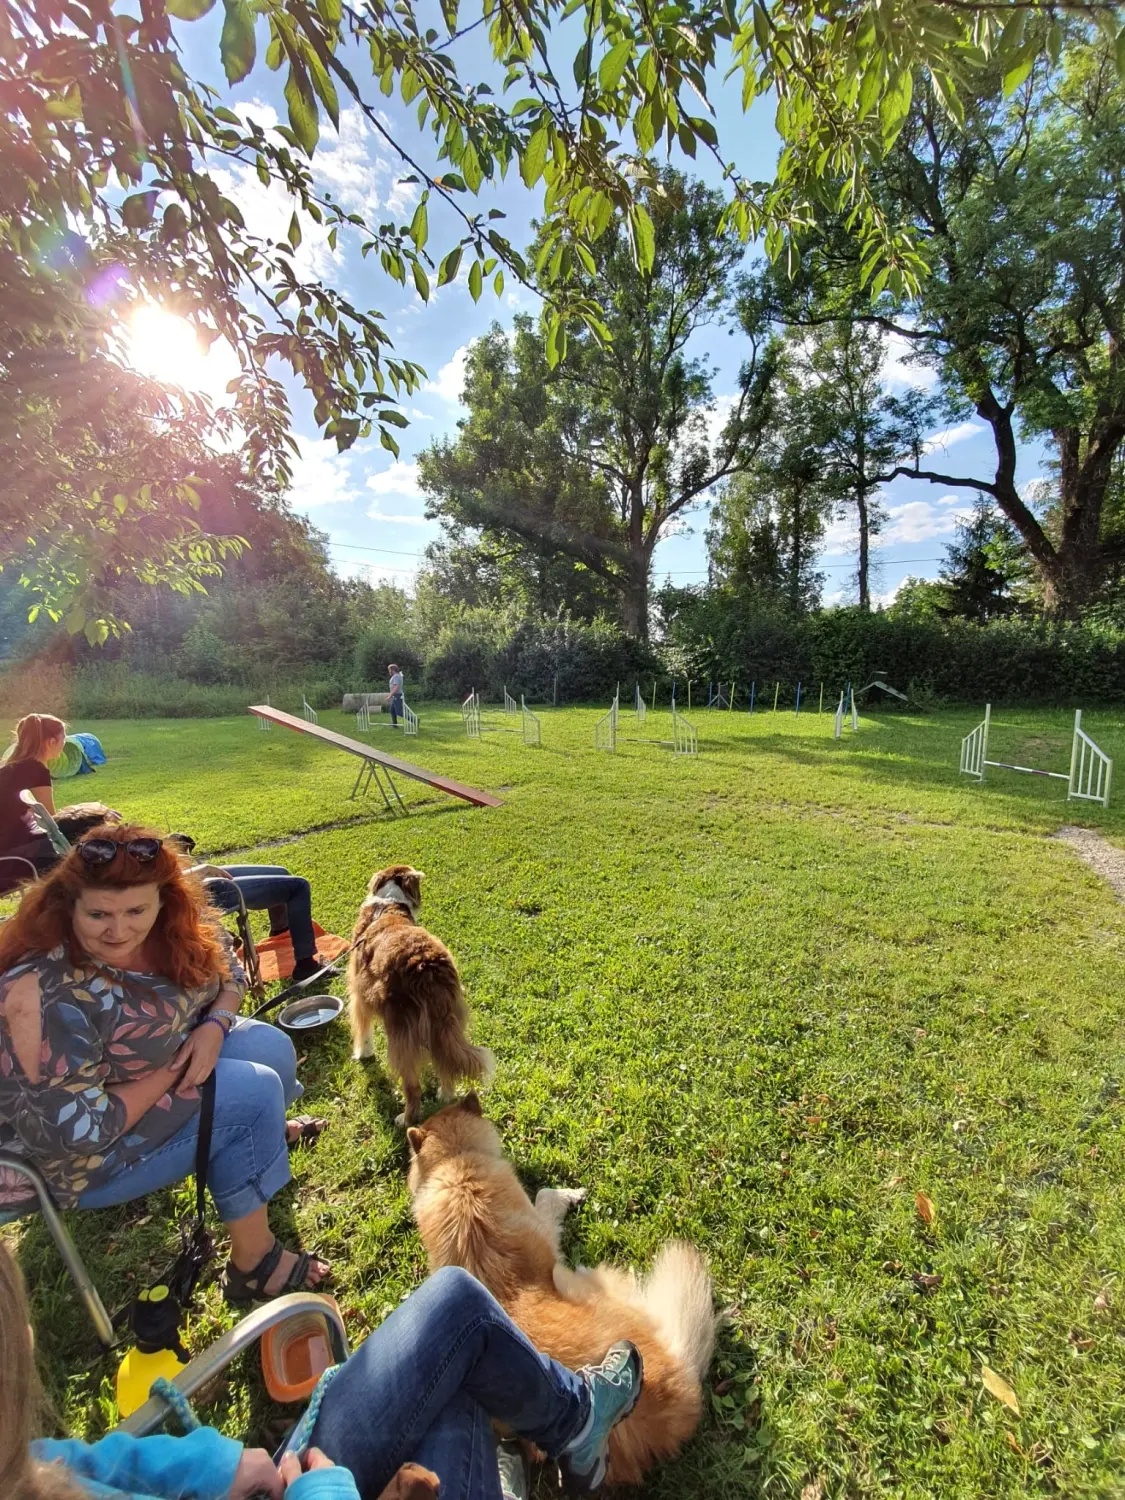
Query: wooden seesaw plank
[[369, 753]]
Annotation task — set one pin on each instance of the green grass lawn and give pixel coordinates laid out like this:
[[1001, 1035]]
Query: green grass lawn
[[759, 999]]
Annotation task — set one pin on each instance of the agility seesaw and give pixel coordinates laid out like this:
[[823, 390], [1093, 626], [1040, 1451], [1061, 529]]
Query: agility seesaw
[[376, 766]]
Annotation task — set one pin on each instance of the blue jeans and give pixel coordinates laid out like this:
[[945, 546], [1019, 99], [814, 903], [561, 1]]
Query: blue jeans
[[264, 888], [395, 707], [255, 1079], [428, 1383]]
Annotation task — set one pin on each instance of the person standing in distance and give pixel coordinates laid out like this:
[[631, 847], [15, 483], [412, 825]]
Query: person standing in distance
[[396, 704]]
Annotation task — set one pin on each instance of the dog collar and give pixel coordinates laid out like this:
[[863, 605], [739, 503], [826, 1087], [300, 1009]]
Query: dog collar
[[392, 894]]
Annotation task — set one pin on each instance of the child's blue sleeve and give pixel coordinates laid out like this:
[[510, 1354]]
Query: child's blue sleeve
[[323, 1484], [200, 1466]]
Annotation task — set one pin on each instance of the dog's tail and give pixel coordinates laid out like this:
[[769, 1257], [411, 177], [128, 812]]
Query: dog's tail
[[456, 1057], [676, 1294]]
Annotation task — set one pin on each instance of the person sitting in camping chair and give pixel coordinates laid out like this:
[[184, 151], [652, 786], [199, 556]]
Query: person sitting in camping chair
[[119, 996]]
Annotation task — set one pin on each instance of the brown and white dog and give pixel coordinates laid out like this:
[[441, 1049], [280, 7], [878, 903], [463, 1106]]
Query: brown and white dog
[[401, 976], [472, 1211]]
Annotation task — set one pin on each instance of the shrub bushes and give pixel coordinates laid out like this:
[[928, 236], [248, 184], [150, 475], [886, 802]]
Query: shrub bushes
[[1010, 661]]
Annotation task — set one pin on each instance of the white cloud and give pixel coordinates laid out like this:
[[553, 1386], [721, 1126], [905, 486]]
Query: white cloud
[[841, 536], [896, 370], [400, 479], [950, 435], [450, 381], [397, 520], [918, 520], [321, 476], [717, 418]]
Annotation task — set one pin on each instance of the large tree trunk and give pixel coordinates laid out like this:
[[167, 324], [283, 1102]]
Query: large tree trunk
[[634, 599], [864, 567]]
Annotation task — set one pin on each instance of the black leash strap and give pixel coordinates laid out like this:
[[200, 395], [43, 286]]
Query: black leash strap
[[203, 1144]]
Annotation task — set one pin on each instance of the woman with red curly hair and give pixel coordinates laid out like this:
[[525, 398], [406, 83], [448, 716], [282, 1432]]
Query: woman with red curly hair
[[118, 999]]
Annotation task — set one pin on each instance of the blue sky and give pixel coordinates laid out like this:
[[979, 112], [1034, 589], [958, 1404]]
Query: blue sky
[[369, 505]]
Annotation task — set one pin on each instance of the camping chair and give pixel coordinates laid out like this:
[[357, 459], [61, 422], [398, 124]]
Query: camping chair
[[83, 1281], [47, 826], [204, 1368]]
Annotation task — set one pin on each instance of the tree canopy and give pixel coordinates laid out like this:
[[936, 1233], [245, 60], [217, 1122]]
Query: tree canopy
[[111, 161], [1022, 309], [598, 456]]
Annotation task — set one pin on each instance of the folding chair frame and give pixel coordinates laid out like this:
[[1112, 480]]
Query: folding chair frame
[[83, 1281], [206, 1366]]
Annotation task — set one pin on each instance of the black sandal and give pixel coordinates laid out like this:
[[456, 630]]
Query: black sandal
[[309, 1129], [244, 1288]]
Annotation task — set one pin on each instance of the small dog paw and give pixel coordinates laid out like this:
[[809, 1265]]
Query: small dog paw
[[400, 1120], [363, 1052]]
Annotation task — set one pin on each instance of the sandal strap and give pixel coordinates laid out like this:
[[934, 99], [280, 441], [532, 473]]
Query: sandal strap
[[298, 1275], [253, 1282]]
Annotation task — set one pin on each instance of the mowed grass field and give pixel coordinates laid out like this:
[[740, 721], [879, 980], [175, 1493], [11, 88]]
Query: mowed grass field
[[761, 1000]]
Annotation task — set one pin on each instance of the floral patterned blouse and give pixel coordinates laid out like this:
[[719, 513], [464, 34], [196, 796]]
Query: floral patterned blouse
[[100, 1026]]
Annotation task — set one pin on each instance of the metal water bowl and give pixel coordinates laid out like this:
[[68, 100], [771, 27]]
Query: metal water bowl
[[309, 1013]]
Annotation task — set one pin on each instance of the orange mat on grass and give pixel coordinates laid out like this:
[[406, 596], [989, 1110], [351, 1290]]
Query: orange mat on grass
[[275, 955]]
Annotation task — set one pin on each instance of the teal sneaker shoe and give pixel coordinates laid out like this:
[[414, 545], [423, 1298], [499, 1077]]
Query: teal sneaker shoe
[[615, 1388], [514, 1482]]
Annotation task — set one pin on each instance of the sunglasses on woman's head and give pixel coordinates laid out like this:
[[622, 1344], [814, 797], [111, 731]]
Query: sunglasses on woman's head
[[96, 852]]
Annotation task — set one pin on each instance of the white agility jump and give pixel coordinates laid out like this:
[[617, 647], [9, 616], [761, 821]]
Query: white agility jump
[[530, 727], [1089, 779]]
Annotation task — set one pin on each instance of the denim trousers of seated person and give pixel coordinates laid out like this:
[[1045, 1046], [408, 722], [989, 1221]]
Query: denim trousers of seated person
[[272, 888], [427, 1385], [255, 1079]]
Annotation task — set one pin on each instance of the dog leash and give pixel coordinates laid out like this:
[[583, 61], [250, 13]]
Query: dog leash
[[302, 984]]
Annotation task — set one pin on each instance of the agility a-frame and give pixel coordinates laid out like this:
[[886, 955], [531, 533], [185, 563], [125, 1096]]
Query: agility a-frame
[[1090, 778]]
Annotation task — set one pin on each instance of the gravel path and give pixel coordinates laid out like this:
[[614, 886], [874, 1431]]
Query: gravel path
[[1104, 858]]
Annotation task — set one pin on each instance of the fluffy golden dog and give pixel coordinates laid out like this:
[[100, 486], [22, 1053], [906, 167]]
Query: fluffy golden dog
[[401, 976], [472, 1211]]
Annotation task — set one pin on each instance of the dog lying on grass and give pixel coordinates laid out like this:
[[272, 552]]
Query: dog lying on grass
[[472, 1211], [401, 976]]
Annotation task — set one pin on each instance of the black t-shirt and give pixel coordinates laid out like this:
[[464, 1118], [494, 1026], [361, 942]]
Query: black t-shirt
[[17, 825]]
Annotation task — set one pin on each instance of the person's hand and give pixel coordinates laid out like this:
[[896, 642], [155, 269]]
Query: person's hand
[[256, 1475], [291, 1465], [198, 1056]]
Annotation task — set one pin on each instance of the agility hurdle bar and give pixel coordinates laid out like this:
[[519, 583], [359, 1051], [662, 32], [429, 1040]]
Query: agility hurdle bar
[[362, 718], [639, 706], [1089, 779], [308, 713], [510, 705]]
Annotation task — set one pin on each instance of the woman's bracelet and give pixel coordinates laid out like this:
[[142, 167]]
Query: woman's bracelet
[[218, 1014], [214, 1021]]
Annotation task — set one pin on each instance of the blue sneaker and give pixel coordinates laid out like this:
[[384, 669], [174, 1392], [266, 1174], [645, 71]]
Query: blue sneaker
[[514, 1483], [615, 1388]]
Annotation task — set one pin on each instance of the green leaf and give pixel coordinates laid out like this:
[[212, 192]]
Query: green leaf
[[421, 281], [121, 504], [556, 341], [452, 181], [761, 28], [68, 105], [450, 266], [1017, 75], [613, 64], [643, 132], [895, 106], [188, 10], [388, 442], [419, 226], [498, 284], [294, 231], [869, 88], [274, 54], [1121, 52], [476, 281], [535, 157], [302, 108], [236, 44], [175, 225], [644, 237], [137, 210], [687, 139]]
